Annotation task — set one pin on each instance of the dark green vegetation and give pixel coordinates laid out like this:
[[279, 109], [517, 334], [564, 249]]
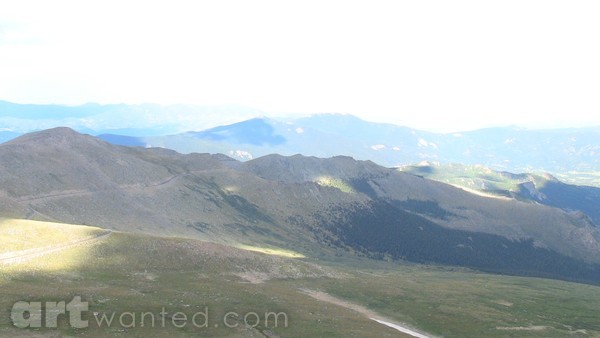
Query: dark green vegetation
[[455, 303], [139, 273], [135, 273]]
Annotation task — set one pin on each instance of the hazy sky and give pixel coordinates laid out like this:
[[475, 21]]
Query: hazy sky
[[437, 65]]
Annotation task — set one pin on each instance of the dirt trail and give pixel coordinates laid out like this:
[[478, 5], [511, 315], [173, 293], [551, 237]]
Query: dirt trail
[[16, 257], [53, 195], [325, 297], [76, 193]]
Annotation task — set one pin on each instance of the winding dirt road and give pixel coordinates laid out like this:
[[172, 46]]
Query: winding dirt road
[[325, 297]]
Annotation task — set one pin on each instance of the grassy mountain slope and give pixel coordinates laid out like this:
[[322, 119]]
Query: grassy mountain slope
[[307, 205], [139, 273]]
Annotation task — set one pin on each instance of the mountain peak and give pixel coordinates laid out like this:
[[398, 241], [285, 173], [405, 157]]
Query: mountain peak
[[59, 131], [53, 136], [53, 132], [256, 131]]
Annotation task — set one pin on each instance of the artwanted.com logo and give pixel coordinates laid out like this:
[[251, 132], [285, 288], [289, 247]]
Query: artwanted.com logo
[[47, 314]]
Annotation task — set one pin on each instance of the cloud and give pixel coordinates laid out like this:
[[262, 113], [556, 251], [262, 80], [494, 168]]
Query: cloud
[[13, 34], [437, 66]]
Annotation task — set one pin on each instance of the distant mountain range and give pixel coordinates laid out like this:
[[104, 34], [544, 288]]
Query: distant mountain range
[[319, 207], [573, 155], [123, 119], [512, 149]]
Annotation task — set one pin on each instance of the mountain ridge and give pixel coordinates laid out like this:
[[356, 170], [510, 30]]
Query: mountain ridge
[[296, 203], [238, 132], [508, 149]]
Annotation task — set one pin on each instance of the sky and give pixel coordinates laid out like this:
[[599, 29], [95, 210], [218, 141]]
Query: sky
[[433, 65]]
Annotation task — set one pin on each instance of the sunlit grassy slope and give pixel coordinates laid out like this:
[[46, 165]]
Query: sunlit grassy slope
[[473, 177], [19, 234], [328, 181], [129, 272], [481, 178], [271, 251]]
